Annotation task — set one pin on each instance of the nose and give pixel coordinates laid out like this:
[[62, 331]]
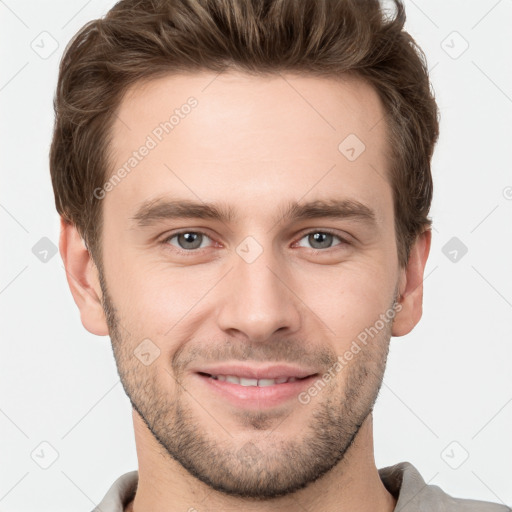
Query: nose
[[258, 299]]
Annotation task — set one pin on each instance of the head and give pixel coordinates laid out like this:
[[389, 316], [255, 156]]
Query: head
[[199, 150]]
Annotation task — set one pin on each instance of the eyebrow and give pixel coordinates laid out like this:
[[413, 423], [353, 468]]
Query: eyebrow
[[159, 209]]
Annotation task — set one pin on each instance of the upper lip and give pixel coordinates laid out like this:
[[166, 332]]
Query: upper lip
[[257, 372]]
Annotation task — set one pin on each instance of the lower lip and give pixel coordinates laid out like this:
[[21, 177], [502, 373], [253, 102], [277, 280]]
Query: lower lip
[[256, 396]]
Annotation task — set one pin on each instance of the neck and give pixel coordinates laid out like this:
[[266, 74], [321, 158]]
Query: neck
[[353, 484]]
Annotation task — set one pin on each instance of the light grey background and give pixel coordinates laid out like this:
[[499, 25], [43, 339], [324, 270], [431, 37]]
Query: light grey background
[[447, 393]]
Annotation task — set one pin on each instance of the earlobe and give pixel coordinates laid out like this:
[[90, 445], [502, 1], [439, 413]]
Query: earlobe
[[411, 286], [83, 279]]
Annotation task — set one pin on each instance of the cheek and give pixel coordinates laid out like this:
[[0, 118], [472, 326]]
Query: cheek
[[154, 300], [159, 302], [350, 298]]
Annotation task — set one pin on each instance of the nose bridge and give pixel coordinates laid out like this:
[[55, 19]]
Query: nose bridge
[[257, 300]]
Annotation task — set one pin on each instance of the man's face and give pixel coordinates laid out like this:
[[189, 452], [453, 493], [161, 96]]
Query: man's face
[[259, 289]]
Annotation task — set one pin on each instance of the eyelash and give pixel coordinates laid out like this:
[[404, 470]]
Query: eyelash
[[192, 252]]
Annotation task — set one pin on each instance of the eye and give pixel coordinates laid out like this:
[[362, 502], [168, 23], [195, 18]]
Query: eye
[[187, 240], [322, 239], [190, 241]]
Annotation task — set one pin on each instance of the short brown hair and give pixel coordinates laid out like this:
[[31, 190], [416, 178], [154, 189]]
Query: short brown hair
[[142, 39]]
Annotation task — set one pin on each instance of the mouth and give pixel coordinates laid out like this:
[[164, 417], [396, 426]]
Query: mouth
[[255, 388]]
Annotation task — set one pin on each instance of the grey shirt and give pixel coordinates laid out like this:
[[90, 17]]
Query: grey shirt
[[402, 480]]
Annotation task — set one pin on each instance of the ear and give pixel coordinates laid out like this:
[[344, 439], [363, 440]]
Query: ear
[[411, 286], [83, 279]]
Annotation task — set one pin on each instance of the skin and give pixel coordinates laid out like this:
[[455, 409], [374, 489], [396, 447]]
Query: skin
[[255, 144]]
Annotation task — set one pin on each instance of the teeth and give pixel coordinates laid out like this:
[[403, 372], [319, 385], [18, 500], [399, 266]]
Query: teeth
[[252, 382], [248, 382], [268, 382]]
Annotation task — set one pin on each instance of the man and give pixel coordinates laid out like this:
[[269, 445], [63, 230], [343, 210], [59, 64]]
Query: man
[[244, 189]]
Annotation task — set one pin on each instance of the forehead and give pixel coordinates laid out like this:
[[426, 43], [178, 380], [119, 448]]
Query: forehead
[[247, 138]]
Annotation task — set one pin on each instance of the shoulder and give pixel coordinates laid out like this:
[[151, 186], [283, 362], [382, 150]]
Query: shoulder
[[120, 493], [413, 495]]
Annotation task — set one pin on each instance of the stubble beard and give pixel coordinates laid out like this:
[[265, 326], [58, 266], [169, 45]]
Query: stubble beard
[[270, 465]]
